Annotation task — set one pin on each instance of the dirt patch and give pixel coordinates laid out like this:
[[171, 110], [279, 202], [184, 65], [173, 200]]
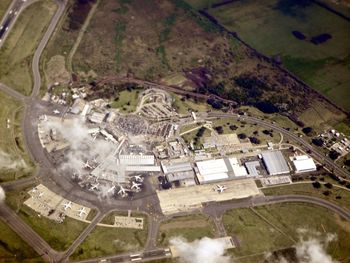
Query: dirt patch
[[56, 70]]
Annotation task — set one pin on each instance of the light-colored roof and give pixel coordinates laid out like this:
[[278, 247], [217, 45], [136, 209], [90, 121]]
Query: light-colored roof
[[136, 159], [216, 166], [203, 178], [275, 162], [304, 163], [176, 167], [238, 169]]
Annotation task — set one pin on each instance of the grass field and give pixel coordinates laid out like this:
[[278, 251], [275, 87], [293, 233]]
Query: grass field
[[16, 53], [308, 189], [267, 25], [105, 241], [185, 106], [13, 248], [126, 101], [58, 236], [4, 5], [247, 129], [14, 161], [189, 227], [257, 236]]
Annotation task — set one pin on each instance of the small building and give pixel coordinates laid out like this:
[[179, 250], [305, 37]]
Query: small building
[[252, 168], [303, 164], [97, 117], [275, 162], [238, 170]]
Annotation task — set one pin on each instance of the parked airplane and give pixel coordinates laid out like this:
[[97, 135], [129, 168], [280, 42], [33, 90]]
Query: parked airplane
[[135, 186], [41, 194], [94, 186], [122, 191], [220, 188], [34, 190], [138, 178], [56, 111], [111, 189], [87, 165], [81, 211], [67, 205]]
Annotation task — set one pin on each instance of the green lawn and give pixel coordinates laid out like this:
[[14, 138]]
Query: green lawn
[[246, 128], [17, 52], [104, 241], [184, 106], [267, 25], [308, 189], [189, 227], [13, 248], [126, 100], [58, 236], [283, 230], [4, 5], [14, 161]]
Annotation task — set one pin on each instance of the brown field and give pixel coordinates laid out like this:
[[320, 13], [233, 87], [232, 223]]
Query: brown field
[[168, 41]]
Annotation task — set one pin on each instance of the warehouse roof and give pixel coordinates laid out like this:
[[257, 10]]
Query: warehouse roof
[[176, 167], [304, 163], [275, 162]]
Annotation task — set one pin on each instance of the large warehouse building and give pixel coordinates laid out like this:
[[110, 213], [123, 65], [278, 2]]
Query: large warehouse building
[[275, 162], [304, 164], [216, 170]]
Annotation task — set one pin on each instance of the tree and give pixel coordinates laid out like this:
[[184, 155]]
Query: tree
[[254, 140], [326, 193], [328, 185], [242, 136], [333, 154], [307, 130], [347, 162], [233, 127], [219, 129], [316, 185], [317, 141]]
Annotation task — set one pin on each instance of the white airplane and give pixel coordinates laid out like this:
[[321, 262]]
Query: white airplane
[[81, 211], [67, 205], [221, 188], [94, 186], [56, 112], [87, 165], [34, 190], [122, 191], [111, 189], [135, 186], [41, 194], [138, 178]]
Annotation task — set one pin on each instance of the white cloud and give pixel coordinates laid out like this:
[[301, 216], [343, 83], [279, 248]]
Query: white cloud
[[199, 251], [2, 195], [8, 162]]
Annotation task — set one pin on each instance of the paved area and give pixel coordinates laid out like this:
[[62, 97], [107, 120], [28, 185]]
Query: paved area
[[191, 198], [53, 206]]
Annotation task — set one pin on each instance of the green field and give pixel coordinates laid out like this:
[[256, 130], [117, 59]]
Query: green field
[[187, 105], [58, 235], [189, 227], [308, 189], [13, 248], [277, 227], [4, 4], [103, 241], [267, 25], [14, 161], [126, 100], [17, 52]]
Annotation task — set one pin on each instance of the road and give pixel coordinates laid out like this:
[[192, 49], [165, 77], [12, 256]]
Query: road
[[26, 233], [10, 18], [42, 44]]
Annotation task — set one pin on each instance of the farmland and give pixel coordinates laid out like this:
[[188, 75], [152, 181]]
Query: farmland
[[266, 228], [268, 26]]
